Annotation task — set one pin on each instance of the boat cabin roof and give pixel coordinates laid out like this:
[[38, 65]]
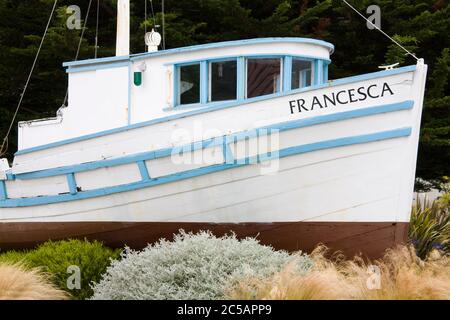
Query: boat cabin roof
[[305, 42]]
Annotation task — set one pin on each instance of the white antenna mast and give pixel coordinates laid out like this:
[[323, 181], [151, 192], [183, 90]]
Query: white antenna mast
[[123, 28]]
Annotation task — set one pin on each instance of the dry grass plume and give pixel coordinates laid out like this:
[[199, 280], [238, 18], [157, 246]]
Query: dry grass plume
[[402, 276], [20, 283]]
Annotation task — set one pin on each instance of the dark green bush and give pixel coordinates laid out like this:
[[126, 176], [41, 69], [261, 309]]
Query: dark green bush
[[55, 257], [430, 226]]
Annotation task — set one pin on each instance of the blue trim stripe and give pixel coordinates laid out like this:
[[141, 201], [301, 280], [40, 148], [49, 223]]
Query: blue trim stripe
[[72, 183], [227, 153], [301, 123], [347, 141], [143, 170], [105, 60], [346, 115], [368, 76], [218, 106], [3, 194], [23, 202], [97, 67]]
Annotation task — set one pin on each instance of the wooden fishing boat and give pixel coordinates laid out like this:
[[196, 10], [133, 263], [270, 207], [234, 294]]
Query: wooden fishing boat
[[247, 136]]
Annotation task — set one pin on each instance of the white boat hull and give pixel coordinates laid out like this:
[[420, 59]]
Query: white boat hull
[[350, 165]]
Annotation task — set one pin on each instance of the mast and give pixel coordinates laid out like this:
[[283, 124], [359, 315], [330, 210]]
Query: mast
[[123, 28]]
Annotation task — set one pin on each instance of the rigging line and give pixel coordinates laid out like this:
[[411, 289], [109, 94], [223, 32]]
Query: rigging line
[[163, 27], [376, 27], [96, 29], [145, 22], [79, 45], [4, 146], [153, 14]]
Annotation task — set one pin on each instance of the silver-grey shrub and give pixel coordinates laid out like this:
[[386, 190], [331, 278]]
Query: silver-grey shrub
[[199, 266]]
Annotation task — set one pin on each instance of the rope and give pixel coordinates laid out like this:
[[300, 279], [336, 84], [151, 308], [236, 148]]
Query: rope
[[163, 27], [4, 146], [79, 44], [153, 14], [145, 21], [376, 27], [153, 18], [96, 29]]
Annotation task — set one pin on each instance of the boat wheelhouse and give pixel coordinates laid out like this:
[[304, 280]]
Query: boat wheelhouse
[[128, 90], [248, 136]]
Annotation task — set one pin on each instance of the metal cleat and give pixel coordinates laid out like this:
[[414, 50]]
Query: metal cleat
[[389, 67]]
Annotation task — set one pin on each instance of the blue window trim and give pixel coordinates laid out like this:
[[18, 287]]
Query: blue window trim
[[287, 74], [318, 72], [285, 85], [265, 56], [215, 59], [204, 82], [303, 73], [241, 78], [177, 79], [325, 72], [209, 62]]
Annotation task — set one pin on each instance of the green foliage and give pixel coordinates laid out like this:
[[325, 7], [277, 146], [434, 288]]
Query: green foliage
[[55, 257], [13, 256], [430, 226], [434, 155], [395, 54], [197, 267], [440, 74]]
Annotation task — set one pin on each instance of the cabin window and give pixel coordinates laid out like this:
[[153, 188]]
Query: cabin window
[[223, 80], [263, 76], [302, 74], [189, 84]]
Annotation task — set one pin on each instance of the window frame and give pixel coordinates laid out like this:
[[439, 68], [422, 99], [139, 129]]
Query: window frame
[[177, 80], [281, 85], [210, 62], [314, 77], [319, 76]]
